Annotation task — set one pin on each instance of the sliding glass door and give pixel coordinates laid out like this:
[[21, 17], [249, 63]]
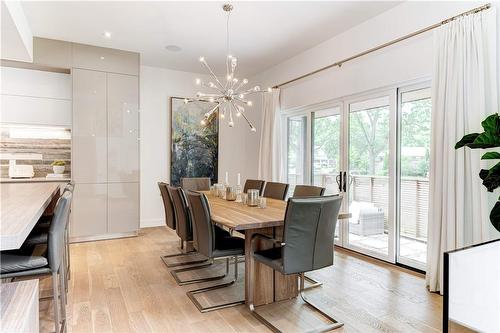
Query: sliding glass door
[[326, 152], [414, 162], [370, 169], [374, 151]]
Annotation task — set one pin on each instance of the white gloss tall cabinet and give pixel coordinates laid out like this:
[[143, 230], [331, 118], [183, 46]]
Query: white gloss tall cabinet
[[105, 145]]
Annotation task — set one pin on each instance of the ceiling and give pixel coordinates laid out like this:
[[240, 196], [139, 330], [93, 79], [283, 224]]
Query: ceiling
[[262, 34]]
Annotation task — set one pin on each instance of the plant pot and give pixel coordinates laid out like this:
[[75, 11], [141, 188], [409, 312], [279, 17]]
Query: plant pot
[[58, 169]]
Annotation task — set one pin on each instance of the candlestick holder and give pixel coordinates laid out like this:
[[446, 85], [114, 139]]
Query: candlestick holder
[[238, 192]]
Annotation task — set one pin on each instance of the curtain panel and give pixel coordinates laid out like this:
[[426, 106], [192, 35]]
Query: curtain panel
[[270, 162], [464, 92]]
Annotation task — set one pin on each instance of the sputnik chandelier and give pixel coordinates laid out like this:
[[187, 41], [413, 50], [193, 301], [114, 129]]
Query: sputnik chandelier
[[230, 95]]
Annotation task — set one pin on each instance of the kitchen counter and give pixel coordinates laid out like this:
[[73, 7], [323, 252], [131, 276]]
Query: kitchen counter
[[34, 180]]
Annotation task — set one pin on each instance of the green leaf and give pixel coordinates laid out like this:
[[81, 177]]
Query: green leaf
[[492, 155], [483, 173], [492, 179], [495, 216], [467, 139], [485, 140], [492, 124]]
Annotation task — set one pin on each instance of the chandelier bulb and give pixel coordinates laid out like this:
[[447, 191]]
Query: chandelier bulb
[[238, 114], [199, 94], [230, 91], [198, 82], [253, 129], [222, 115], [241, 109], [241, 96], [202, 59], [249, 103], [256, 88], [186, 100], [211, 84], [229, 56], [229, 77], [231, 124], [203, 122], [245, 81], [269, 89], [211, 99], [235, 80]]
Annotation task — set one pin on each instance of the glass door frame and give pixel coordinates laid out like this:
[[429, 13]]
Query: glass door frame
[[392, 96], [400, 91], [394, 93]]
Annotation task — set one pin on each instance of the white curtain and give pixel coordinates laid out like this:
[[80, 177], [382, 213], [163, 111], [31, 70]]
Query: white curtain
[[464, 93], [270, 162]]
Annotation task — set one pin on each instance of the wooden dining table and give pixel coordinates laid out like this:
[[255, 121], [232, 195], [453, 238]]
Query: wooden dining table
[[269, 285], [21, 206]]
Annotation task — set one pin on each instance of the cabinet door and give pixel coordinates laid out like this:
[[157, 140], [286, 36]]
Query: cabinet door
[[89, 210], [123, 128], [123, 207], [51, 52], [105, 59], [89, 151]]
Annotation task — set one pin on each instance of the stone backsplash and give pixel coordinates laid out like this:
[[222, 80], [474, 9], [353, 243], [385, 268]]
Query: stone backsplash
[[52, 146]]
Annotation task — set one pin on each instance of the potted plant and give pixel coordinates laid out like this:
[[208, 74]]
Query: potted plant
[[490, 138], [58, 166]]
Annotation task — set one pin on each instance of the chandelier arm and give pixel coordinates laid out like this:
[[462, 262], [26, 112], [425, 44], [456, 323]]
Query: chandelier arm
[[248, 121], [213, 74]]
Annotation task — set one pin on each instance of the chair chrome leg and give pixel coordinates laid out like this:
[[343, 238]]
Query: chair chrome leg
[[314, 283], [62, 283], [206, 279], [190, 294], [183, 263], [55, 300], [335, 324]]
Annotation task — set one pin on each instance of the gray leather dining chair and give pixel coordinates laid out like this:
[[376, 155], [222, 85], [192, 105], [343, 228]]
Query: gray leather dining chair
[[196, 184], [15, 265], [254, 184], [275, 190], [307, 245], [183, 228], [213, 242], [40, 233], [167, 206], [301, 191]]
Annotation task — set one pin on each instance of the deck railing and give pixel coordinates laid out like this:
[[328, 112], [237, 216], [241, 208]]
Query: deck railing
[[414, 197]]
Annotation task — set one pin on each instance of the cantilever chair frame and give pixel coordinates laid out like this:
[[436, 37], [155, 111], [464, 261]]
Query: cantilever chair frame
[[182, 247], [335, 324], [282, 244]]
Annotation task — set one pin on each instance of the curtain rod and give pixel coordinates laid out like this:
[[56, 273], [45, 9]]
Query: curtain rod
[[397, 40]]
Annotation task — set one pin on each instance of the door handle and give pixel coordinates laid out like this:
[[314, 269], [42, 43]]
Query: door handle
[[338, 179], [344, 185]]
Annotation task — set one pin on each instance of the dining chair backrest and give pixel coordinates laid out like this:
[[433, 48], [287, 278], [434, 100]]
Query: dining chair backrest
[[167, 205], [308, 233], [182, 221], [275, 190], [203, 229], [301, 191], [196, 184], [56, 236], [254, 184]]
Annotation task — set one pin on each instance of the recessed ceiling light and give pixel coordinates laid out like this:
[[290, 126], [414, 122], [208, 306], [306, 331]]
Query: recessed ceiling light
[[173, 48], [107, 34]]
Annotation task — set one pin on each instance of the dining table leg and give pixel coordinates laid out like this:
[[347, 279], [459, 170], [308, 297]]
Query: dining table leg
[[268, 285]]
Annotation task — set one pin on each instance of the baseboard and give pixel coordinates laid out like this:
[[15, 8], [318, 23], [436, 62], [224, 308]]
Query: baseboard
[[148, 223], [102, 237]]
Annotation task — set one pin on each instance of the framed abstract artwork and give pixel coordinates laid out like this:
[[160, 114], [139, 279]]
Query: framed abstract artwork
[[194, 147]]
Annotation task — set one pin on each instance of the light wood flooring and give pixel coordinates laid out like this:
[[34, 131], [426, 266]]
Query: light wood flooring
[[122, 285]]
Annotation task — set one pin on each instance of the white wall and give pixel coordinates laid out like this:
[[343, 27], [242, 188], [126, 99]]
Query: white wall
[[35, 97], [157, 85], [405, 61]]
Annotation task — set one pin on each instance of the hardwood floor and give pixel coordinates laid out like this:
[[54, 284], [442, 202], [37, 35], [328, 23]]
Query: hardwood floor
[[122, 285]]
